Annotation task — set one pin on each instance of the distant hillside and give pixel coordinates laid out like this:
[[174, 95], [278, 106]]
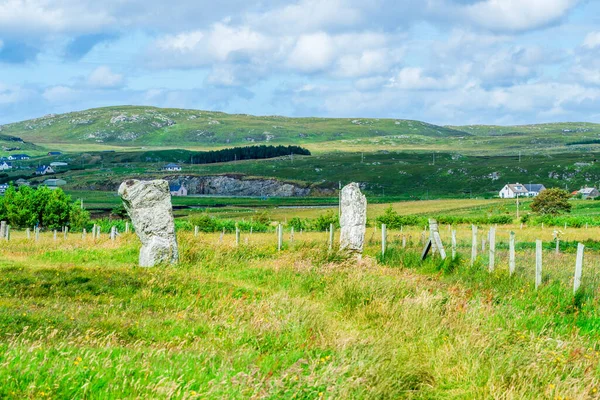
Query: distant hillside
[[558, 128], [149, 126]]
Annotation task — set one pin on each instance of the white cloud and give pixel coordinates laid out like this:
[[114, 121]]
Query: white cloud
[[312, 52], [308, 16], [517, 15], [415, 78], [60, 94], [32, 17], [12, 94], [104, 78], [592, 40]]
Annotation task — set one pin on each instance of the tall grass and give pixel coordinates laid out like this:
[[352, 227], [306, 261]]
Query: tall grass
[[79, 319]]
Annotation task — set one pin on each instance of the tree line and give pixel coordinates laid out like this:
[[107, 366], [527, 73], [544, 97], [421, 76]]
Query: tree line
[[26, 207], [246, 153]]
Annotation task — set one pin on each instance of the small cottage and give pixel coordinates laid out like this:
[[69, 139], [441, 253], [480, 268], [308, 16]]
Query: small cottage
[[513, 190], [18, 157], [588, 193], [171, 167], [43, 170], [54, 183], [5, 166], [178, 190]]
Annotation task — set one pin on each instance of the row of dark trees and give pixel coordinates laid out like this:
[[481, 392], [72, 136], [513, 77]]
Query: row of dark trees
[[26, 207], [246, 153]]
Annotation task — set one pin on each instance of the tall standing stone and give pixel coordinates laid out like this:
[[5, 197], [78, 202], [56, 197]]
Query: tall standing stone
[[148, 204], [353, 218]]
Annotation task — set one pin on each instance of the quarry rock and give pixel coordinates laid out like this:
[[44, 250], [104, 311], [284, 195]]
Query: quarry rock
[[238, 185], [148, 204], [353, 218]]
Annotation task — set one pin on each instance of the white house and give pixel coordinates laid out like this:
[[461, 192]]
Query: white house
[[43, 170], [534, 189], [58, 164], [171, 167], [513, 190], [589, 193], [5, 165], [54, 183], [178, 190], [18, 157]]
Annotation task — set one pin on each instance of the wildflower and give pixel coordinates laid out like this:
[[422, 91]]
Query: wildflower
[[594, 390], [551, 386]]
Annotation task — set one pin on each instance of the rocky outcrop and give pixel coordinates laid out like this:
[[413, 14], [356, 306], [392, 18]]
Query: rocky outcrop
[[238, 185], [353, 219], [148, 204]]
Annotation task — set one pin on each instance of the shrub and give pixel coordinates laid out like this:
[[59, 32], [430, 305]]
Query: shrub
[[552, 201]]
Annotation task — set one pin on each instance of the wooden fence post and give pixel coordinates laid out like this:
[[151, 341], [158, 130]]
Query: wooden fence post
[[473, 244], [28, 232], [7, 233], [557, 245], [383, 239], [292, 235], [511, 254], [126, 227], [439, 245], [578, 267], [538, 263], [492, 260], [66, 232], [330, 236], [196, 231], [55, 235], [83, 234], [279, 237], [454, 244], [403, 241]]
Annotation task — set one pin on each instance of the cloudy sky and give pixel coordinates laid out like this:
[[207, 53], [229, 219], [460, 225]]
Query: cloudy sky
[[441, 61]]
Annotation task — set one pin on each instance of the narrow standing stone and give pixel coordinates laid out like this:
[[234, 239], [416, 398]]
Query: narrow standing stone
[[148, 204]]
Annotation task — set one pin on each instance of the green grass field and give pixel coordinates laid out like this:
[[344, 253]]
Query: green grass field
[[80, 320]]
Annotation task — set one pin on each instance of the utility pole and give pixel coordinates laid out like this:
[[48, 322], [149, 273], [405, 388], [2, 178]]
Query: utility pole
[[517, 205]]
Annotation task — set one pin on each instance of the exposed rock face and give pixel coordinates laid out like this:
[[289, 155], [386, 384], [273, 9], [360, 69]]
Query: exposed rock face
[[231, 185], [353, 219], [148, 204]]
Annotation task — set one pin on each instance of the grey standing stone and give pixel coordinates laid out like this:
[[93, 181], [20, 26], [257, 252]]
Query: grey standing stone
[[353, 218], [148, 204], [3, 229]]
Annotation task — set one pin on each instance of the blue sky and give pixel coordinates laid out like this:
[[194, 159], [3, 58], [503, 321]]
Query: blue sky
[[440, 61]]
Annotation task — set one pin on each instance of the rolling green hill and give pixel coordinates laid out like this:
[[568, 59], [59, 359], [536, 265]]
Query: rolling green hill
[[148, 126]]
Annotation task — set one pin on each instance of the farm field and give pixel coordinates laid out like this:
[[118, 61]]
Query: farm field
[[80, 320]]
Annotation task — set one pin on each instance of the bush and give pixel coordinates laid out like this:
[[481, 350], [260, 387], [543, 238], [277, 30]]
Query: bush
[[206, 223], [552, 201], [50, 209]]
